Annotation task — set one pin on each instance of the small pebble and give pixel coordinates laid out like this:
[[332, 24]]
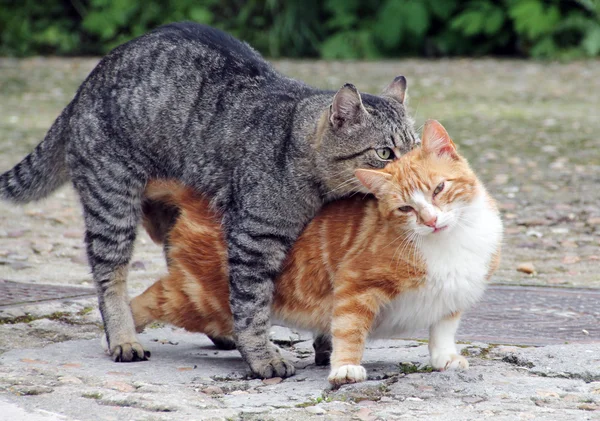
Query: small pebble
[[138, 265], [593, 221], [19, 265], [472, 399], [571, 259], [239, 392], [526, 267], [40, 247], [589, 407], [120, 386], [316, 410], [547, 394], [18, 257], [501, 179], [69, 380], [81, 258], [213, 390]]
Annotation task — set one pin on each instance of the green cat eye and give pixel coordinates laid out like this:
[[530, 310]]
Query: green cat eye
[[385, 153], [438, 189], [405, 209]]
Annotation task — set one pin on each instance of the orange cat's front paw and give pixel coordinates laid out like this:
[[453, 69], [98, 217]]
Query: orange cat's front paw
[[347, 374], [449, 362]]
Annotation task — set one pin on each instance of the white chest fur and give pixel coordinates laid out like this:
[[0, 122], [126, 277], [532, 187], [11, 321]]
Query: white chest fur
[[458, 262]]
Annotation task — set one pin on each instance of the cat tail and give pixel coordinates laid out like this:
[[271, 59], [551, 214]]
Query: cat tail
[[172, 193], [43, 170]]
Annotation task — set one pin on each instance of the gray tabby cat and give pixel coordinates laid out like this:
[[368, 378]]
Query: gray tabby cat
[[191, 103]]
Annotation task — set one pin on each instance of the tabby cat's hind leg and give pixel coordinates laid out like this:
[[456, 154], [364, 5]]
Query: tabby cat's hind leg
[[110, 192], [224, 343]]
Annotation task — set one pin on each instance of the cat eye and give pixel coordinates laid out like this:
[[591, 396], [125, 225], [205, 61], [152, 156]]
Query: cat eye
[[405, 209], [438, 189], [385, 154]]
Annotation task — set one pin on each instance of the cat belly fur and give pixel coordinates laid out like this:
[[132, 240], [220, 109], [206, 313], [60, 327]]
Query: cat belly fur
[[457, 268]]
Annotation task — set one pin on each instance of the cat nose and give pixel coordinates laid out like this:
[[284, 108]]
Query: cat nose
[[431, 222]]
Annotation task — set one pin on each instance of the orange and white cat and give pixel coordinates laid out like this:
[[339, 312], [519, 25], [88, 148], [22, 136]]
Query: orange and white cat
[[416, 255]]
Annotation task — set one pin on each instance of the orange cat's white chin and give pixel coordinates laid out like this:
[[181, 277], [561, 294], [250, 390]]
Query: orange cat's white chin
[[438, 229]]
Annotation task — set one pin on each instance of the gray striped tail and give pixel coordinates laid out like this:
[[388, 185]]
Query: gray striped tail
[[42, 171]]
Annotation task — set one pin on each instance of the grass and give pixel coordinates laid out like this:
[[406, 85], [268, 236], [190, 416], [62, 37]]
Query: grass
[[314, 401], [60, 316], [410, 368], [92, 395]]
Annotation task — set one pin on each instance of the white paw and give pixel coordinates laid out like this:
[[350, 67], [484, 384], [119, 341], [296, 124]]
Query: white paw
[[347, 374], [443, 362]]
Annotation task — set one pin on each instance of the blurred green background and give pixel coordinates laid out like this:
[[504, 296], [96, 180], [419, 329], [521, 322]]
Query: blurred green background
[[328, 29]]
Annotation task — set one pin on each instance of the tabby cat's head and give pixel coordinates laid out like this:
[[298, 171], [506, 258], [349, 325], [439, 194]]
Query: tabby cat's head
[[362, 131], [427, 190]]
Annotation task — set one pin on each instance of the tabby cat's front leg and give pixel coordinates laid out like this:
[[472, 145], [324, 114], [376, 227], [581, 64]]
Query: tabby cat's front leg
[[442, 347], [255, 253], [352, 320]]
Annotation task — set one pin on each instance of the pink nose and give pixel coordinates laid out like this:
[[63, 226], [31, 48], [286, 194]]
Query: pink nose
[[431, 223]]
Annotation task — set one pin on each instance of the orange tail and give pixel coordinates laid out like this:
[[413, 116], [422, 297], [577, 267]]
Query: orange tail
[[161, 207]]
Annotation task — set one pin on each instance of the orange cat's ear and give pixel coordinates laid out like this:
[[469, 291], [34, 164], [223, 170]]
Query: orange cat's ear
[[436, 140], [376, 181]]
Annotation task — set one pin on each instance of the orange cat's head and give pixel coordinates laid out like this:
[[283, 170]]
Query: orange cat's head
[[427, 190]]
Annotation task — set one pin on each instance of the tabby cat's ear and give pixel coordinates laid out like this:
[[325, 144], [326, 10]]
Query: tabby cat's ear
[[377, 182], [347, 106], [396, 89], [435, 139]]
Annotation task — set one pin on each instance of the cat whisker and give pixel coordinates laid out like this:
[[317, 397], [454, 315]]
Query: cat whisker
[[399, 250], [394, 240], [343, 184], [414, 250], [417, 113], [346, 170], [408, 245], [402, 244]]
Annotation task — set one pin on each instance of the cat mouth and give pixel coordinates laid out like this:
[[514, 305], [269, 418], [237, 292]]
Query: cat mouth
[[438, 229]]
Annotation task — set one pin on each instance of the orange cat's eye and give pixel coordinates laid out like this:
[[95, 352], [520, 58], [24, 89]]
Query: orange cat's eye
[[405, 209], [438, 189]]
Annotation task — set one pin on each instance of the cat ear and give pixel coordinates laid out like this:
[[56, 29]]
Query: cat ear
[[435, 139], [396, 89], [347, 106], [377, 182]]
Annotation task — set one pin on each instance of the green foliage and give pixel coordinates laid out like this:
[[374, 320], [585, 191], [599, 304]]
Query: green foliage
[[533, 28], [330, 29]]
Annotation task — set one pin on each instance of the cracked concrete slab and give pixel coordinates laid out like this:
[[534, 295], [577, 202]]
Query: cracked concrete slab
[[187, 378]]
